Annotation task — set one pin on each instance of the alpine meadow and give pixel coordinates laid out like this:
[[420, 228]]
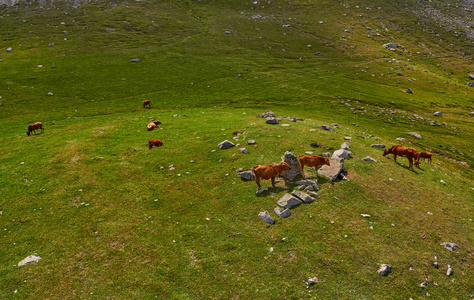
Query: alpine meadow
[[103, 207]]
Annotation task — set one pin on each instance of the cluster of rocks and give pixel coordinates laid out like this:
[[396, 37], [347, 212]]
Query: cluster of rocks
[[272, 119]]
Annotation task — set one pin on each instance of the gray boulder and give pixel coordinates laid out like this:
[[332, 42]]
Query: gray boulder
[[438, 114], [450, 246], [303, 196], [265, 216], [341, 153], [272, 121], [251, 142], [384, 270], [247, 176], [369, 159], [282, 213], [226, 145], [390, 45], [327, 127], [294, 164], [415, 135], [345, 145], [267, 114], [313, 183], [410, 91], [29, 260], [243, 150], [378, 146], [334, 170], [288, 201]]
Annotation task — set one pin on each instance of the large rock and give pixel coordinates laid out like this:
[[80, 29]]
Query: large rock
[[415, 135], [267, 114], [226, 145], [265, 216], [378, 146], [289, 201], [303, 196], [282, 213], [438, 114], [247, 176], [309, 183], [341, 153], [272, 121], [327, 127], [334, 170], [295, 167], [29, 260]]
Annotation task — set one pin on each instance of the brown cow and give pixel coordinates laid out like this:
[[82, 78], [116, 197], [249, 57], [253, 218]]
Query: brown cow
[[154, 143], [151, 126], [427, 155], [33, 127], [409, 153], [312, 161], [269, 172], [147, 102], [157, 122]]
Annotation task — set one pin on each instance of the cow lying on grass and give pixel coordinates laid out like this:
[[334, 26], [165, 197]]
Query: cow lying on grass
[[409, 153], [312, 161], [33, 127], [147, 103], [153, 125], [154, 143], [269, 172]]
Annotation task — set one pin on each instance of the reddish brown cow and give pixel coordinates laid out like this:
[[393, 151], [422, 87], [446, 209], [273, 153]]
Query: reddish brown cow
[[427, 155], [409, 153], [33, 127], [154, 143], [147, 102], [312, 161], [269, 172]]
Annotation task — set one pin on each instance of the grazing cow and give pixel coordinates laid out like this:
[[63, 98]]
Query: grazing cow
[[147, 102], [151, 126], [269, 172], [312, 161], [154, 143], [33, 127], [427, 155], [409, 153]]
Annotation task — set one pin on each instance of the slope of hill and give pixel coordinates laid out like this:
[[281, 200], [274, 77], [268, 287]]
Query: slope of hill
[[111, 218]]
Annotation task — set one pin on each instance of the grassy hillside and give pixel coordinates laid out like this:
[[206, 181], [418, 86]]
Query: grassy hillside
[[112, 219]]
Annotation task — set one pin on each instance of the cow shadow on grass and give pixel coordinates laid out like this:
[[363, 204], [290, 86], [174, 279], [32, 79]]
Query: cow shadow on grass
[[267, 191], [410, 169]]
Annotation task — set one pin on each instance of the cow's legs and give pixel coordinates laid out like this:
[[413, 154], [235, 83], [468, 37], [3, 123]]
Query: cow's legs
[[273, 181], [395, 158], [257, 179]]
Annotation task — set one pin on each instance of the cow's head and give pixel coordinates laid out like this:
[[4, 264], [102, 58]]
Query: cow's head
[[28, 133], [387, 151], [326, 161], [284, 166]]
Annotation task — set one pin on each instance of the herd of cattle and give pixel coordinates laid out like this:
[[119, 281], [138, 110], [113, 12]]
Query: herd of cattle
[[274, 170]]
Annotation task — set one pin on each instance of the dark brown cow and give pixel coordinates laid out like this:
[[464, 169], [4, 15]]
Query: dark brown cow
[[33, 127], [269, 172], [157, 122], [312, 161], [409, 153], [154, 143], [147, 102]]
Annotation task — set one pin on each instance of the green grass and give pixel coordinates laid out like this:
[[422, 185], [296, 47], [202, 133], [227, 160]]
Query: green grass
[[110, 220]]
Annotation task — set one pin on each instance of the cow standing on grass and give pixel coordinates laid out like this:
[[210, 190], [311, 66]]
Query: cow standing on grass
[[427, 155], [147, 103], [409, 153], [269, 172], [312, 161], [34, 127]]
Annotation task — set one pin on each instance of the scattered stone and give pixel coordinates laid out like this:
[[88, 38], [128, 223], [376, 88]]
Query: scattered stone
[[347, 138], [303, 196], [327, 154], [9, 49], [410, 91], [442, 181], [285, 125], [312, 281], [282, 214], [261, 191], [400, 139], [319, 53], [384, 270], [327, 127], [28, 260], [415, 135], [272, 121], [378, 146], [265, 216], [50, 94], [449, 272], [309, 183], [390, 45], [471, 76], [288, 201], [243, 150], [251, 142], [470, 84], [247, 176], [308, 153], [341, 153], [316, 196], [450, 246], [295, 167], [334, 170], [369, 159], [438, 114], [345, 145], [365, 215], [267, 114], [226, 145]]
